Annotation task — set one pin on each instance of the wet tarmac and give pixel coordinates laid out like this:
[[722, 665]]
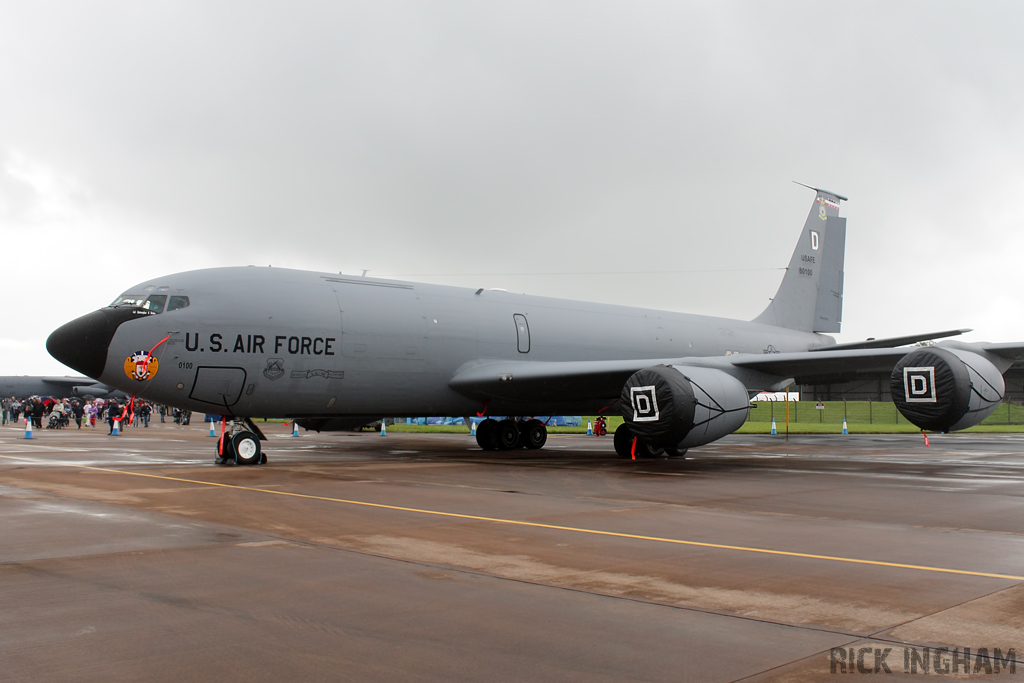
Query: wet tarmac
[[419, 557]]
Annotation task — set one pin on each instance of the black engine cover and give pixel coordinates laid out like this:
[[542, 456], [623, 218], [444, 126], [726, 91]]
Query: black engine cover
[[658, 405], [931, 387]]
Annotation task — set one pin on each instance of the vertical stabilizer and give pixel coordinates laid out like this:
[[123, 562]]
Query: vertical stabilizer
[[810, 297]]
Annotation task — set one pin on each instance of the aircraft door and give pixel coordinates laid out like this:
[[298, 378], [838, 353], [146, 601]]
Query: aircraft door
[[218, 386], [522, 333]]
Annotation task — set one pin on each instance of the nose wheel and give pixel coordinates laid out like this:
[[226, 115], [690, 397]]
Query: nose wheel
[[239, 446]]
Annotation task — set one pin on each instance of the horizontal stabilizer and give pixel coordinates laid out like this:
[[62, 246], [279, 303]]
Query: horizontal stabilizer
[[892, 342], [1010, 350]]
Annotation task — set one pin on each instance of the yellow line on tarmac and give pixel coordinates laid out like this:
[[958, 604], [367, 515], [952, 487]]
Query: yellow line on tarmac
[[536, 525]]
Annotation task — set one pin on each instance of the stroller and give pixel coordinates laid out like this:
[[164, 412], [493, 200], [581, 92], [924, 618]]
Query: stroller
[[58, 421]]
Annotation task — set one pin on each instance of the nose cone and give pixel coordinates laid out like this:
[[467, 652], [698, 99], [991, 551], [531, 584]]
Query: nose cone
[[82, 343]]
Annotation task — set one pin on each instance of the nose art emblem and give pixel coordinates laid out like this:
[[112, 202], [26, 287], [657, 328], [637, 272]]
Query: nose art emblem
[[141, 366]]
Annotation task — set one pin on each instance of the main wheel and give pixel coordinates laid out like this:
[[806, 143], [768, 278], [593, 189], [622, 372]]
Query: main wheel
[[676, 453], [507, 435], [623, 441], [646, 450], [534, 434], [246, 446], [625, 448], [486, 433]]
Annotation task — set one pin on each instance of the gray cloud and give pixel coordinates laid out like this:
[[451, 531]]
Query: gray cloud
[[411, 137]]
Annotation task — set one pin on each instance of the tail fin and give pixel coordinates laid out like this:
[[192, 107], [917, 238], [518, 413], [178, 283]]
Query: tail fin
[[810, 297]]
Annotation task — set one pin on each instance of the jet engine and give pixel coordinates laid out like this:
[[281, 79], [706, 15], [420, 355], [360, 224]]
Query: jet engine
[[944, 389], [680, 407], [94, 390]]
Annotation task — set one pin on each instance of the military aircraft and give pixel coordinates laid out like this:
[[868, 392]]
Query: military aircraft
[[334, 351], [23, 386]]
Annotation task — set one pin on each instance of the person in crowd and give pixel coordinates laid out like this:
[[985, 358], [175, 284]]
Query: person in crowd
[[57, 411], [113, 413], [145, 411], [78, 411]]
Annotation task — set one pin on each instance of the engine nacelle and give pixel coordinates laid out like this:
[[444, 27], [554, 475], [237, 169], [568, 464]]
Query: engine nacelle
[[682, 406], [944, 389], [94, 390]]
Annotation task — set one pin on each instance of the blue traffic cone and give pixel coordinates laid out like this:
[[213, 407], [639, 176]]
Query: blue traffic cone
[[295, 428], [213, 432], [774, 431], [28, 427], [844, 426], [472, 428], [590, 429], [117, 428], [383, 428]]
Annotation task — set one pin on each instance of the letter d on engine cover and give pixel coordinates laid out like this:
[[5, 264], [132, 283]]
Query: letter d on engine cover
[[645, 404], [919, 385]]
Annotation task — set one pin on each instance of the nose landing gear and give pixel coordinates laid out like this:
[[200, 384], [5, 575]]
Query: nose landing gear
[[240, 444]]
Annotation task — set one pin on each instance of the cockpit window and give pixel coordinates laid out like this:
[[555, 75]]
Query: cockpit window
[[129, 300], [177, 302], [155, 303]]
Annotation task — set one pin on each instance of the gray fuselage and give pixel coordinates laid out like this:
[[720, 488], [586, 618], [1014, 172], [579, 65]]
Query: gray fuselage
[[268, 342]]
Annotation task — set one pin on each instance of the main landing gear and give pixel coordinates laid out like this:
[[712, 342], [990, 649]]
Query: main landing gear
[[629, 446], [239, 445], [508, 434]]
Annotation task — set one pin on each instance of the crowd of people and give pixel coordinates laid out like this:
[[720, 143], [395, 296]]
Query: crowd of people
[[60, 413]]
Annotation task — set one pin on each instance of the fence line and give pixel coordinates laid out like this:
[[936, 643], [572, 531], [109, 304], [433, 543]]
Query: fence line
[[859, 412]]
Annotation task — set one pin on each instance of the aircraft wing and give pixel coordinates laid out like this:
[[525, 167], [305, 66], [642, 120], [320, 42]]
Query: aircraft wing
[[817, 367], [69, 381], [603, 379], [548, 381]]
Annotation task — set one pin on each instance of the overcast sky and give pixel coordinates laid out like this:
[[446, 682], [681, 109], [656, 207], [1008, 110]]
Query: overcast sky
[[514, 145]]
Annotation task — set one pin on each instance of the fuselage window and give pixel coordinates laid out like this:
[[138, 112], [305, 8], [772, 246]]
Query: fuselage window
[[155, 303], [522, 333], [177, 302]]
